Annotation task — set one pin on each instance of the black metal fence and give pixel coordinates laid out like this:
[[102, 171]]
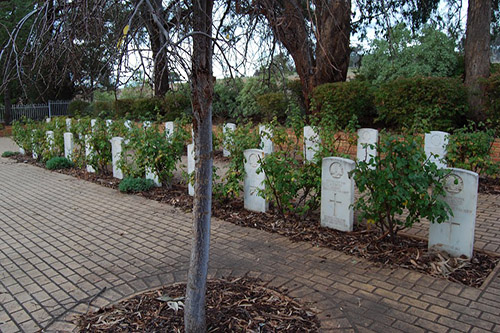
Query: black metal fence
[[37, 111]]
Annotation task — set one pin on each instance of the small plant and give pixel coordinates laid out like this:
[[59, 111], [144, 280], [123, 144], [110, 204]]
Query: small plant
[[57, 163], [134, 185], [470, 149], [9, 153], [397, 180]]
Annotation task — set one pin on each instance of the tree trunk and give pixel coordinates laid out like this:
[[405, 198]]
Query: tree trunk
[[202, 85], [477, 53], [157, 39], [328, 60]]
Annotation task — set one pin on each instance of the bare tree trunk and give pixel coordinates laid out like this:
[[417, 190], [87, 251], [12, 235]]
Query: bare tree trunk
[[159, 51], [477, 53], [202, 85]]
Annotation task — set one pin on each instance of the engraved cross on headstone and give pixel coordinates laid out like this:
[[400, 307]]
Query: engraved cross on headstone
[[335, 201], [451, 229]]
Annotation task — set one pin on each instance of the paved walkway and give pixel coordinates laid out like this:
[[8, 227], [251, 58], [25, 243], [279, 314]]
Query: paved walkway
[[62, 240]]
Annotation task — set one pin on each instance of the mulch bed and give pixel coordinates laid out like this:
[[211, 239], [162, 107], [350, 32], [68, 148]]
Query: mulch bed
[[408, 252], [239, 305]]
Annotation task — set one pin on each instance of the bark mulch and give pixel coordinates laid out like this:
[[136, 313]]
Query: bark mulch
[[407, 252], [238, 305]]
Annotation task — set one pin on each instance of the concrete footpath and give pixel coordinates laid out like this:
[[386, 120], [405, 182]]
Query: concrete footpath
[[65, 243]]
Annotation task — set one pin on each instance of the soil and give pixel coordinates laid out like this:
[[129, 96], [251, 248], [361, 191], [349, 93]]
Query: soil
[[261, 309], [407, 252]]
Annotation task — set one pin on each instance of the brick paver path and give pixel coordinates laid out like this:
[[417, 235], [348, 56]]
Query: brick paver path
[[62, 240]]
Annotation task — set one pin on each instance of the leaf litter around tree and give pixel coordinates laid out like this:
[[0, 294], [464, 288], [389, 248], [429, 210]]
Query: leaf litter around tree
[[407, 252], [237, 305]]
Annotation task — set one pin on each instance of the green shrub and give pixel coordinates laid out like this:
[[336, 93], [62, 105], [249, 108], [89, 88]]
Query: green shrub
[[21, 134], [122, 108], [177, 104], [470, 149], [102, 109], [398, 180], [147, 108], [422, 103], [100, 146], [57, 163], [78, 108], [225, 104], [247, 99], [272, 105], [344, 100], [135, 185], [492, 89], [9, 153]]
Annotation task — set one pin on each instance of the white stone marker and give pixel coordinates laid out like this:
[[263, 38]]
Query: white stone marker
[[50, 139], [68, 145], [229, 127], [150, 174], [266, 142], [22, 151], [254, 181], [33, 146], [116, 155], [169, 129], [311, 143], [92, 124], [88, 154], [68, 124], [436, 143], [366, 136], [146, 124], [337, 194], [48, 120], [128, 124], [109, 122], [456, 236], [190, 166]]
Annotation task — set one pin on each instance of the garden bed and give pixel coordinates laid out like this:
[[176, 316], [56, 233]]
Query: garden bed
[[407, 252], [262, 309]]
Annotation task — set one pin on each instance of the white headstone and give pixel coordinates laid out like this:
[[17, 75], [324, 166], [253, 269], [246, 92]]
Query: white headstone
[[436, 143], [47, 120], [266, 142], [93, 123], [33, 146], [311, 143], [337, 193], [150, 174], [456, 236], [146, 124], [169, 129], [128, 124], [88, 154], [254, 181], [109, 122], [22, 151], [190, 166], [50, 139], [116, 155], [68, 145], [229, 127], [367, 136], [68, 124]]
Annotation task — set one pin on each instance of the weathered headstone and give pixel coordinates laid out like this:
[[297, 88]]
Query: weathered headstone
[[93, 122], [109, 122], [47, 120], [68, 145], [456, 236], [229, 127], [116, 155], [337, 193], [266, 142], [366, 136], [33, 145], [311, 143], [150, 174], [254, 181], [435, 144], [68, 124], [22, 151], [190, 166], [169, 129], [146, 124], [50, 140], [128, 124], [88, 154]]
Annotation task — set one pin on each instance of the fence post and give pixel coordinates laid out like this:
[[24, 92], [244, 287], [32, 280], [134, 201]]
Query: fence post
[[50, 111]]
